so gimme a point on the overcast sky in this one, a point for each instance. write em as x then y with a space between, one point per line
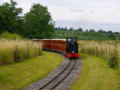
88 14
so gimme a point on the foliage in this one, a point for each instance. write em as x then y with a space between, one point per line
113 60
7 35
86 35
4 55
38 23
10 19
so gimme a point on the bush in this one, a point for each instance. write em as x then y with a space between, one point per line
7 35
113 60
4 57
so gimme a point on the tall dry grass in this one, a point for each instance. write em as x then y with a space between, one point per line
18 50
109 50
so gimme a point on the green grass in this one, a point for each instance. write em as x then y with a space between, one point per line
19 75
96 75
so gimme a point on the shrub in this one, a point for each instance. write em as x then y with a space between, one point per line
4 57
113 60
7 35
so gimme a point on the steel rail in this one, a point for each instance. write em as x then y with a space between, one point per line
64 77
55 76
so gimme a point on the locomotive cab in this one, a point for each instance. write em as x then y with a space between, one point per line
72 47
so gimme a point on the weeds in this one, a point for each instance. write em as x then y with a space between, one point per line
113 60
18 50
105 49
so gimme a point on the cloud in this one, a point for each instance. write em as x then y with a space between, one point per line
97 11
92 11
76 10
2 1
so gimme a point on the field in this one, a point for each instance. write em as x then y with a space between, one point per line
18 50
108 50
19 75
96 75
101 65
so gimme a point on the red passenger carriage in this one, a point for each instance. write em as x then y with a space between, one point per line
69 46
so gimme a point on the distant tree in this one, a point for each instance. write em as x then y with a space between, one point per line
62 28
91 30
56 28
66 28
110 32
86 30
112 37
117 33
80 29
71 29
101 31
38 22
10 19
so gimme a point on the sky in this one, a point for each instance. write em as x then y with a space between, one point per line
87 14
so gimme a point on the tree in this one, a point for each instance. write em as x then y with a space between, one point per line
112 37
117 33
110 32
101 31
91 30
86 30
66 28
80 29
10 19
71 28
38 23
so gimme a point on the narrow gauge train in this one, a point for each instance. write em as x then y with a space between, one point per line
68 47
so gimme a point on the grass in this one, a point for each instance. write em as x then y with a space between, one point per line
96 75
103 49
17 50
16 76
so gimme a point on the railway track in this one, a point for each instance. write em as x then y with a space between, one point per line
60 79
52 84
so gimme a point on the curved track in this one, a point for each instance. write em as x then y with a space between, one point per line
59 79
52 84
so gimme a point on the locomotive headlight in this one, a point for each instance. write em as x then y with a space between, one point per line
73 51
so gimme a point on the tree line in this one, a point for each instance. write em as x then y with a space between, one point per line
91 34
37 23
